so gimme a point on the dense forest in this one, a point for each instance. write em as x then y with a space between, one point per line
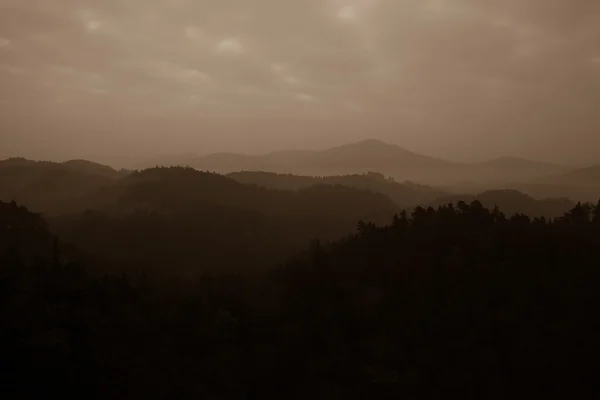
198 222
458 300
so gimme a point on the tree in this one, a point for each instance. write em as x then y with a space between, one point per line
596 213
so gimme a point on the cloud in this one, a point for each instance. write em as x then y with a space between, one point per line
230 45
304 97
471 67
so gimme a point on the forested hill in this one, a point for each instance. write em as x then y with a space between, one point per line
54 188
404 194
196 221
177 188
459 301
512 202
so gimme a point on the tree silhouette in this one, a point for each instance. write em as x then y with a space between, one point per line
447 301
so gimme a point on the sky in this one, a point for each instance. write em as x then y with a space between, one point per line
114 80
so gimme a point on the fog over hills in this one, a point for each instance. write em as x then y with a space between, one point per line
589 176
301 199
370 155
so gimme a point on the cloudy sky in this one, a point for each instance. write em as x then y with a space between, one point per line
463 79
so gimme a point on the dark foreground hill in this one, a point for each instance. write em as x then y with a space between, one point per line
450 302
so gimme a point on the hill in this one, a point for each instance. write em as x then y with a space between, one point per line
404 194
578 185
512 202
24 236
53 187
351 159
82 166
198 221
92 168
581 177
507 169
372 155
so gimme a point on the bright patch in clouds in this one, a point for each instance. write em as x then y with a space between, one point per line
284 75
230 46
93 25
348 13
351 10
304 97
194 33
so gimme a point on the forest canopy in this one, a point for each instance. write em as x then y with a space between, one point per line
455 300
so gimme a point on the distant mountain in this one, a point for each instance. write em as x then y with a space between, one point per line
519 163
585 176
507 169
404 194
355 158
513 202
578 185
372 155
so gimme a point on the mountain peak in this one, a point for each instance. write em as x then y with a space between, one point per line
370 145
373 142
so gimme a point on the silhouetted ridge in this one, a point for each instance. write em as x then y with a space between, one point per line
404 194
513 202
53 187
92 168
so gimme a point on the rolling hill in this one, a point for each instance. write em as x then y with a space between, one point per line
372 155
584 176
195 221
404 194
512 202
53 187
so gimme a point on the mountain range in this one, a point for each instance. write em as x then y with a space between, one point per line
370 155
178 215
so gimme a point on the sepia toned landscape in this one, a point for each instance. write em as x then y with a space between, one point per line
320 199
